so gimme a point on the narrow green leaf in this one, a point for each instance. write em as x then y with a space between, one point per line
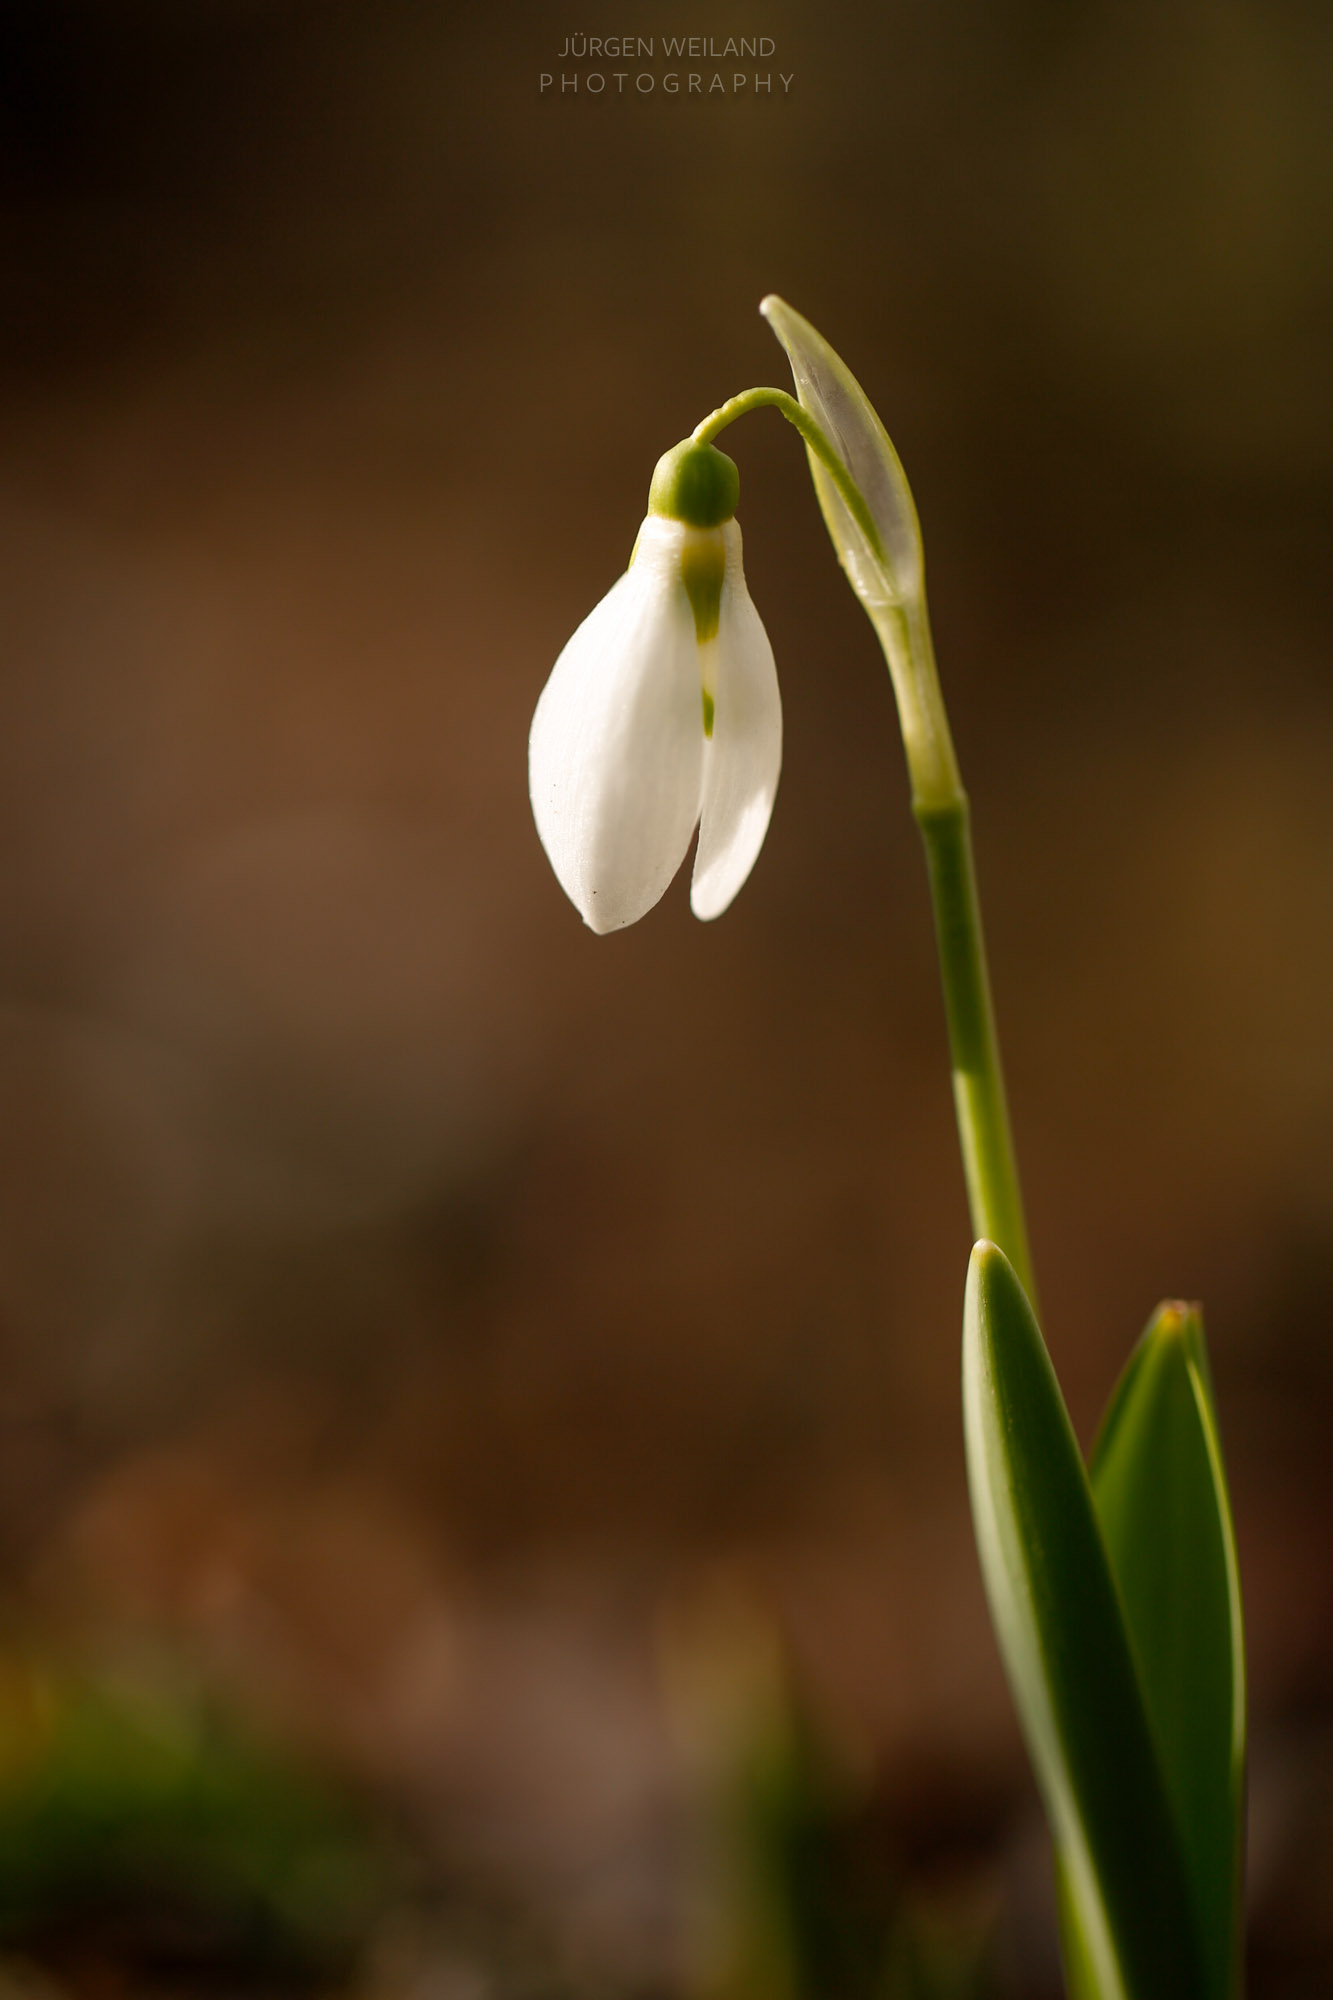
1062 1635
1161 1498
891 574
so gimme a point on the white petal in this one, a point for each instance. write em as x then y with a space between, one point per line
616 751
743 757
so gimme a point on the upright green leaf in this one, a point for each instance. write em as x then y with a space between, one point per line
1161 1498
1062 1634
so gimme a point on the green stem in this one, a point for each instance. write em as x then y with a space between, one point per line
939 804
940 808
989 1165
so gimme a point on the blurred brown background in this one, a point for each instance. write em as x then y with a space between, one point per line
409 1305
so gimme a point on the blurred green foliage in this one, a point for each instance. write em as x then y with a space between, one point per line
145 1825
820 1904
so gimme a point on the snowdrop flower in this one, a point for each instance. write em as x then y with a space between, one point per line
662 714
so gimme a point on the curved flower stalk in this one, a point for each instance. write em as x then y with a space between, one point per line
662 714
1114 1588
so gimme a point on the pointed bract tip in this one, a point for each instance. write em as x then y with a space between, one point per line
775 310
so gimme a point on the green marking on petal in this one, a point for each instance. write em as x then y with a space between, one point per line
703 564
708 713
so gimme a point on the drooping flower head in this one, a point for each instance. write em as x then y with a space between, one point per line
662 713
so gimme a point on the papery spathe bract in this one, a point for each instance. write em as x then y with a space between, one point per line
661 714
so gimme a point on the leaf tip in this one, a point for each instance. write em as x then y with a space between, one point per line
988 1267
995 1307
1178 1324
1172 1318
